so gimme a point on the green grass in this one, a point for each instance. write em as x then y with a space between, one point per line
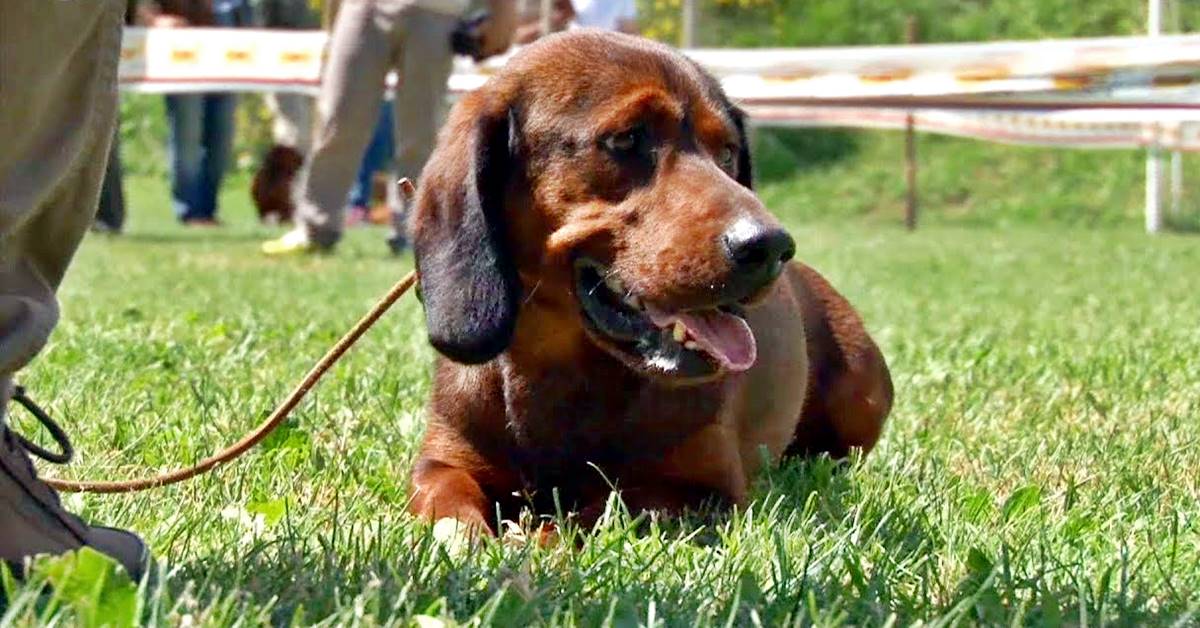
822 174
1041 465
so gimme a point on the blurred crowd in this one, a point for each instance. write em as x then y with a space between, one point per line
335 158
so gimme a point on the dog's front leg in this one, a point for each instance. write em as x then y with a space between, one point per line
450 481
443 491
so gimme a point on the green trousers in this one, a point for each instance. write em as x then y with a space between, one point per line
58 98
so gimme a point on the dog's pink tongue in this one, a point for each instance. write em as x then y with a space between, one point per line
724 336
727 337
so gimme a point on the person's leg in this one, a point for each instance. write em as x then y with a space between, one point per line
351 88
110 216
292 114
425 65
379 154
62 58
216 122
291 120
185 114
218 145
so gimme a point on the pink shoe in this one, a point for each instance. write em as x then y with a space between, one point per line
357 215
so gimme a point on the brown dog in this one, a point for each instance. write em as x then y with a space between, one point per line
271 188
611 301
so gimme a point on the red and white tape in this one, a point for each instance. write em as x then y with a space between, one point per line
1110 92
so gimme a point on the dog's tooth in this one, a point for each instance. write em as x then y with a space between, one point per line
680 331
691 345
633 302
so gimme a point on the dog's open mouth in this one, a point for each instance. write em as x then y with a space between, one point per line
697 343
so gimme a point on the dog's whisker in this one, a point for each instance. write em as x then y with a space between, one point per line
529 296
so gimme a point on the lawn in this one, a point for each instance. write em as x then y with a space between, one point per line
1041 466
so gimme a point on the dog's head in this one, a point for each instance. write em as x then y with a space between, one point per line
598 188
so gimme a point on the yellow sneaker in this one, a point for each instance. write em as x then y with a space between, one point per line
294 242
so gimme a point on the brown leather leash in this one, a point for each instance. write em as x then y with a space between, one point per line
281 412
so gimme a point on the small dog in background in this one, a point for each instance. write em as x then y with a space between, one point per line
272 185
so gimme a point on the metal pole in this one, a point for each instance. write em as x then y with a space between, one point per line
687 29
1154 153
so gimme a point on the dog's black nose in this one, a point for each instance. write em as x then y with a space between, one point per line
757 252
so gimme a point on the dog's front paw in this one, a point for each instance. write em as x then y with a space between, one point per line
456 536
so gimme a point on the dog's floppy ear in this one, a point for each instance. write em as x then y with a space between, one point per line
469 281
745 172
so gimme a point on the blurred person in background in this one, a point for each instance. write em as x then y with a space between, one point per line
110 215
292 120
378 158
561 14
613 15
292 116
292 113
201 125
369 38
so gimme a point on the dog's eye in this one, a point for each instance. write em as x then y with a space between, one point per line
623 142
727 158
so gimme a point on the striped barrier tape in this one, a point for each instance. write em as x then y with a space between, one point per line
1074 129
1109 92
